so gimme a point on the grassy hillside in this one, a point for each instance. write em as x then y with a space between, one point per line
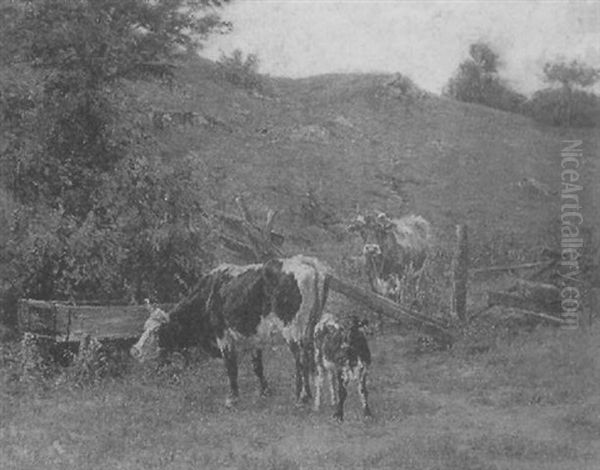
353 141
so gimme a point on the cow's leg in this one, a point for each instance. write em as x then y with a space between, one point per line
362 391
295 348
319 379
332 386
257 365
342 394
231 366
306 369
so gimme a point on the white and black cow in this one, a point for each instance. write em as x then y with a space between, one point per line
240 307
393 249
342 353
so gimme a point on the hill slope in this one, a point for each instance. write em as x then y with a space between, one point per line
355 142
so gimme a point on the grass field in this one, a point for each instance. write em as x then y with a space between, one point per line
531 402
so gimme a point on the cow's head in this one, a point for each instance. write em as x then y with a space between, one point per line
375 231
148 347
392 248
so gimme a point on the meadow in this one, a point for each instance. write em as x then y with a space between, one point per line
320 151
529 402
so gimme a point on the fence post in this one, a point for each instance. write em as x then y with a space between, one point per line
460 270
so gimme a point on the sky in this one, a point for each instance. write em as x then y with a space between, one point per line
425 40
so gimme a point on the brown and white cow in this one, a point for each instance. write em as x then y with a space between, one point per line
234 308
341 353
394 249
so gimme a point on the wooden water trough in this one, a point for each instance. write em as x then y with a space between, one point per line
64 322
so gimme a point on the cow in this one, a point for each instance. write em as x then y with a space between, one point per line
394 249
342 353
234 308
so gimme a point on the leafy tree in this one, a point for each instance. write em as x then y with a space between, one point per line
477 81
99 214
572 77
80 51
484 57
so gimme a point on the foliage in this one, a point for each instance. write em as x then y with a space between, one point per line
477 81
148 242
82 51
568 105
571 74
241 72
404 88
557 107
98 214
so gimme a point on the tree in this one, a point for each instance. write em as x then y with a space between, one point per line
80 51
477 81
570 76
485 58
101 215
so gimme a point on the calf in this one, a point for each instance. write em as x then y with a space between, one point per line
343 353
241 307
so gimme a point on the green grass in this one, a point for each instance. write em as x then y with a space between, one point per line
438 411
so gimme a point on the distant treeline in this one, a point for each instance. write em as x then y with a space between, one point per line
566 102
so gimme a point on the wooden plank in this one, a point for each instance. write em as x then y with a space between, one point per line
388 308
460 272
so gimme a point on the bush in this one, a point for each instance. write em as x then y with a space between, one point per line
241 72
552 106
477 81
474 86
145 239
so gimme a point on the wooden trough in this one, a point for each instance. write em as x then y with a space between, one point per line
71 323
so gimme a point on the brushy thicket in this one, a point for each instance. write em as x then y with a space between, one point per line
91 207
477 80
556 107
241 71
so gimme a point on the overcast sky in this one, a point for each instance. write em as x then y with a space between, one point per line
425 40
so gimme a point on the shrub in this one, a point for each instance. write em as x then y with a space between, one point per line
552 106
477 81
241 72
